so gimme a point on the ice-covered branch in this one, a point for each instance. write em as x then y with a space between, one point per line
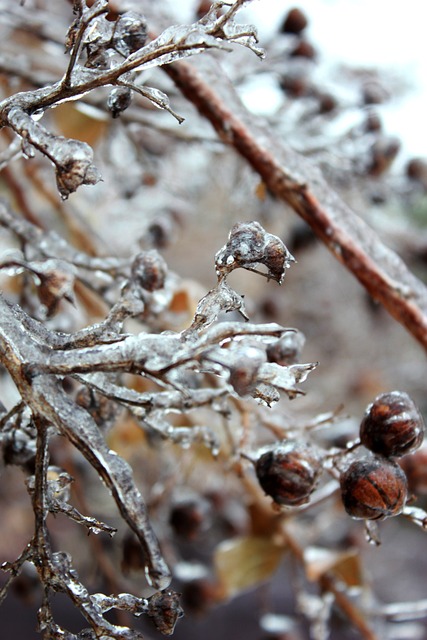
296 181
104 53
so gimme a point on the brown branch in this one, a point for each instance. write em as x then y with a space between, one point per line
296 181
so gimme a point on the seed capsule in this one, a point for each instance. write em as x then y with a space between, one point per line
392 425
295 22
373 488
415 468
289 472
149 270
190 517
287 349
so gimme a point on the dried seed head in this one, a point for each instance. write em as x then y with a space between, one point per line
392 425
56 283
250 245
327 102
373 488
286 350
149 270
289 472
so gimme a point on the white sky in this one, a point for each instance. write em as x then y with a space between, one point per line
388 34
374 33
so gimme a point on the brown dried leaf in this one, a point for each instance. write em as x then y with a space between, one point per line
245 562
345 565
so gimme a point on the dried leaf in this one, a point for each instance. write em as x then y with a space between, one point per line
345 565
245 562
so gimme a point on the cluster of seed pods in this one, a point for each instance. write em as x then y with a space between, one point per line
373 486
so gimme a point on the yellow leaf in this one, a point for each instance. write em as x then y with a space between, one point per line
243 563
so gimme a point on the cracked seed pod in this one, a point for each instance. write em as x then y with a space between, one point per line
249 245
373 488
289 472
392 425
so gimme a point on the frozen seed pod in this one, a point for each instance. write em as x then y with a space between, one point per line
289 472
287 349
130 33
392 425
149 270
119 100
415 468
190 517
295 22
373 488
248 246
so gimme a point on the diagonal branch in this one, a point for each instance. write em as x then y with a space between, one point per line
294 180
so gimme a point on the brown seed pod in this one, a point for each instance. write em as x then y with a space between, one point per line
249 245
289 472
415 468
294 22
383 152
392 425
373 488
190 517
149 270
303 50
164 609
